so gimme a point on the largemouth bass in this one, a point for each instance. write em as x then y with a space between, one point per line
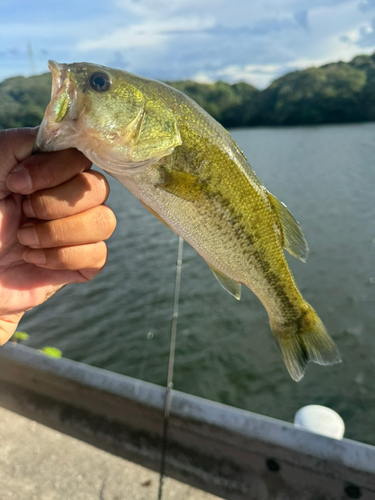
187 170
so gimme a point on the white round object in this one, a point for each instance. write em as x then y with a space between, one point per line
321 420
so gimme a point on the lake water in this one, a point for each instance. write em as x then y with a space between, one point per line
225 350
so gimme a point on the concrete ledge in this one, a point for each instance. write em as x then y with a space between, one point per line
231 453
40 463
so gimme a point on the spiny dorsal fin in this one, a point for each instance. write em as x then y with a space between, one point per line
228 284
294 240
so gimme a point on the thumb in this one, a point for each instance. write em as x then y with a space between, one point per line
15 145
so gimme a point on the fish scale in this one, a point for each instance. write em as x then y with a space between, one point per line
187 170
248 243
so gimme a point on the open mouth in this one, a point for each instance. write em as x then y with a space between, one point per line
61 112
63 95
59 73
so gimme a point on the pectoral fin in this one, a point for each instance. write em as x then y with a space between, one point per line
294 240
228 284
184 185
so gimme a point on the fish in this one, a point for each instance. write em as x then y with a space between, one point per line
187 170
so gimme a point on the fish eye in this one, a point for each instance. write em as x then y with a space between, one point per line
100 82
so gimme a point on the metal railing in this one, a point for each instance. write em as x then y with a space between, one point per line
232 453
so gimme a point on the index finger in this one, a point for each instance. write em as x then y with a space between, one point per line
47 170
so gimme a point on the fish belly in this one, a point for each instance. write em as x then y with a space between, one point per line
255 260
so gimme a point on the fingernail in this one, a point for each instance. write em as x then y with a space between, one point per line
19 181
35 257
28 208
27 236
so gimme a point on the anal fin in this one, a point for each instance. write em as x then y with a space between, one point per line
228 284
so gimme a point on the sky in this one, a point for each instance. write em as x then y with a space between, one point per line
205 40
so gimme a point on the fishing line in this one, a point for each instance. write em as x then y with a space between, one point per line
172 347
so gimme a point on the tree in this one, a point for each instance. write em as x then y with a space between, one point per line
24 100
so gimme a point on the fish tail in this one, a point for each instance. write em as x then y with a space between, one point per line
304 340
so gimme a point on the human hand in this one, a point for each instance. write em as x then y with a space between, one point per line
53 224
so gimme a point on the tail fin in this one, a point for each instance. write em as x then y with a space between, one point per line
303 341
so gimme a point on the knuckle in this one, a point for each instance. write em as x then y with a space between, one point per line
99 259
40 166
97 255
90 257
98 184
61 257
102 255
40 204
52 168
99 177
80 159
51 234
110 221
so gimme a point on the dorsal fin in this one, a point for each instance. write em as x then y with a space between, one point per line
228 284
294 240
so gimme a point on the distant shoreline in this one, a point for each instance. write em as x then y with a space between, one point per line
330 94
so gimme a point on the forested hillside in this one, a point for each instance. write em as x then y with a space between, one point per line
333 93
23 100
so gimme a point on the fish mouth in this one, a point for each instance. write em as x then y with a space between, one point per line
61 113
59 74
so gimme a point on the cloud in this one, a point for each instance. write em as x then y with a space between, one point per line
366 36
256 74
255 40
147 34
367 5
